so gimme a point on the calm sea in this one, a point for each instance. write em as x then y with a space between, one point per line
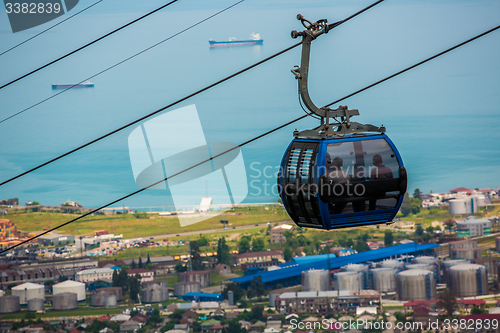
443 116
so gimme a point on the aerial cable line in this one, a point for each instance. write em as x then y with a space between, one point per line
88 44
38 34
176 102
251 140
121 62
193 166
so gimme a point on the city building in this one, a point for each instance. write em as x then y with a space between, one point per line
473 226
323 302
277 233
261 256
56 240
466 304
38 275
94 274
146 274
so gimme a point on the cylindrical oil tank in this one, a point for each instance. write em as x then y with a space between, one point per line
69 286
97 298
161 283
315 280
384 279
416 284
154 294
348 281
9 304
364 270
457 207
467 280
203 277
27 291
110 301
462 244
230 298
396 264
470 253
36 304
427 260
449 263
182 288
117 291
425 267
65 301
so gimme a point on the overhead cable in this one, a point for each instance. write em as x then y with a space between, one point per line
121 62
55 25
175 103
88 44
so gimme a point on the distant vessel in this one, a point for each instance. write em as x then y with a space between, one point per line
86 84
234 42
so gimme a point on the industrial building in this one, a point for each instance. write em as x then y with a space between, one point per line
289 274
262 256
94 274
202 277
14 276
145 274
322 302
203 297
473 226
56 240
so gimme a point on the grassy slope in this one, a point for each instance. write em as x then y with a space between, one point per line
130 226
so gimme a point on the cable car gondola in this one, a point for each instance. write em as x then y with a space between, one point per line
340 174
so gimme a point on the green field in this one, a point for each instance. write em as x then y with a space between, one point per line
130 226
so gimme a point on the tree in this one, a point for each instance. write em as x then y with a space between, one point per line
288 234
134 286
258 244
450 225
477 310
388 238
417 194
149 260
140 262
258 286
179 267
244 245
35 203
447 301
202 241
133 265
287 254
361 246
236 289
196 261
410 205
223 254
419 231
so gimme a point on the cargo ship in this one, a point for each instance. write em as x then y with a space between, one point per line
234 42
86 84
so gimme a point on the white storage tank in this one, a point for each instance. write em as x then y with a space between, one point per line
470 253
182 288
391 263
457 207
348 281
384 279
154 294
315 280
27 291
364 270
416 284
468 280
70 287
449 263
